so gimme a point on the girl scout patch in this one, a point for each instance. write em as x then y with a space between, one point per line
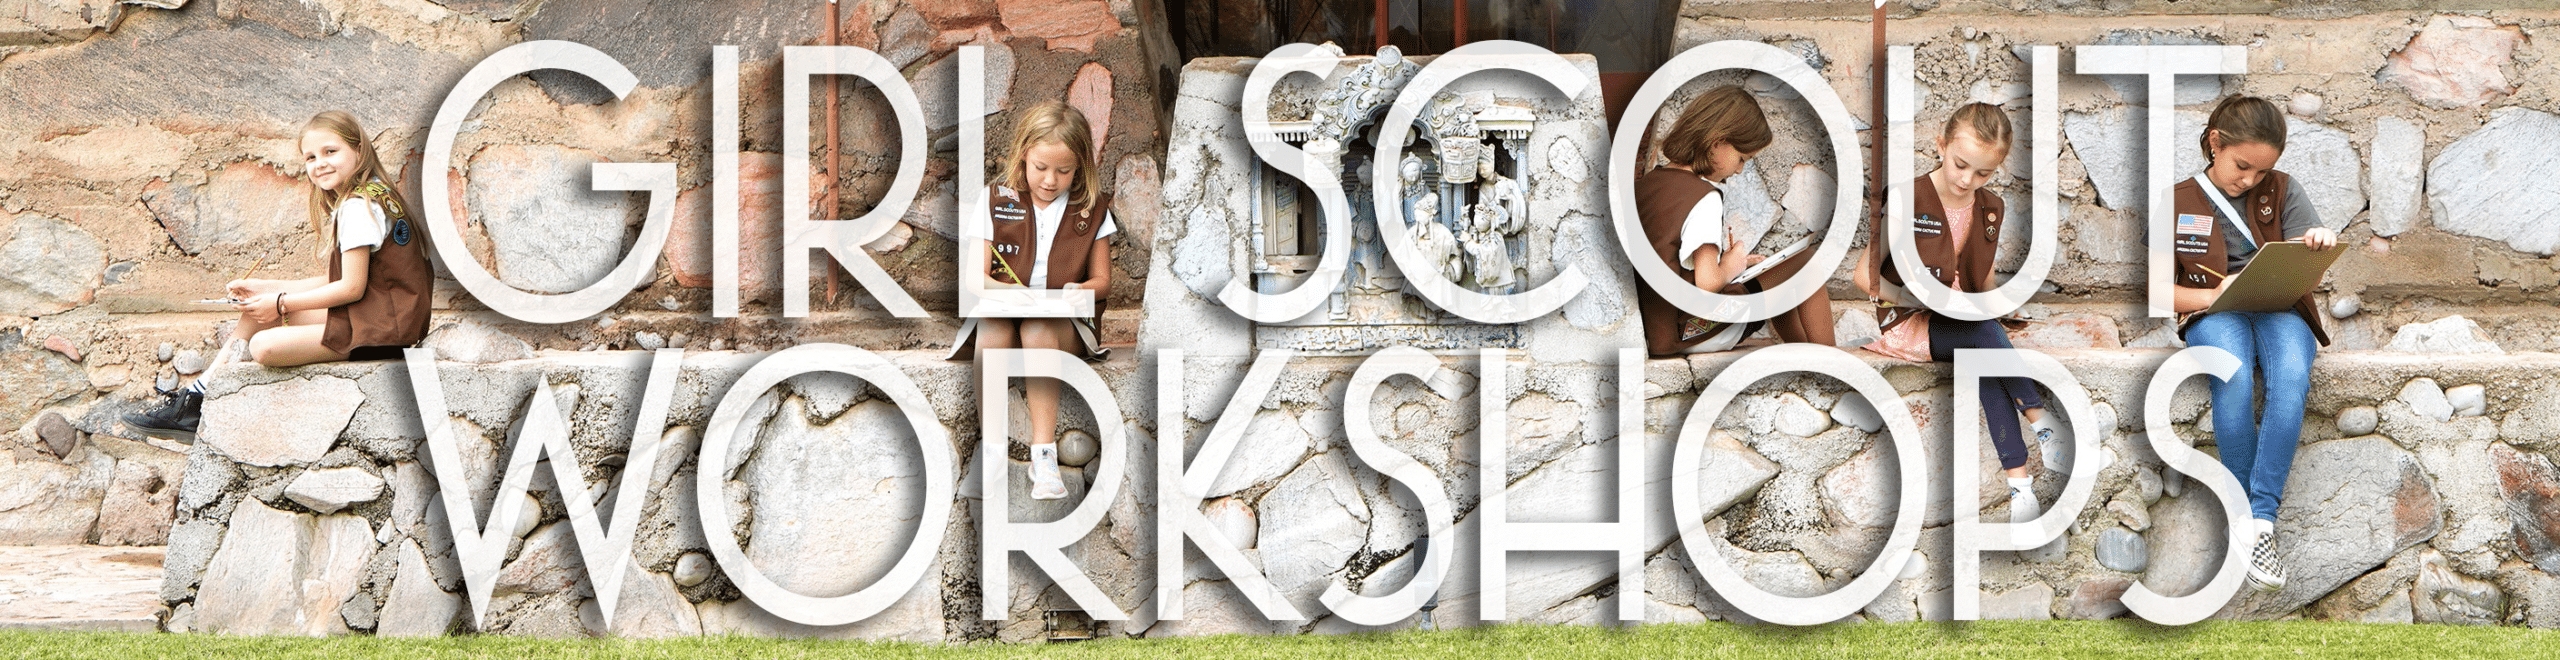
2195 225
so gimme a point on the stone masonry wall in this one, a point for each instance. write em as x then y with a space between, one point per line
2421 494
147 157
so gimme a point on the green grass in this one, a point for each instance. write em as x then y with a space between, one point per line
2018 640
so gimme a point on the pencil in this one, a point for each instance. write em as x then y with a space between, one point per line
253 267
1006 268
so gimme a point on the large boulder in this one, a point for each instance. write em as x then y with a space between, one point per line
2490 184
2532 489
2349 506
836 505
2456 62
290 422
48 266
282 573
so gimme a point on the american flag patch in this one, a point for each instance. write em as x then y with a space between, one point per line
2196 225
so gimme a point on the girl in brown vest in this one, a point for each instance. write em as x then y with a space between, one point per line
1956 226
1044 229
1683 215
373 299
2244 138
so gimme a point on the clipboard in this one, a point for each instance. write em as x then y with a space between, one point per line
1783 254
2275 278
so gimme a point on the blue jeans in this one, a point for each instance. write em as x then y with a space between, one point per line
2275 351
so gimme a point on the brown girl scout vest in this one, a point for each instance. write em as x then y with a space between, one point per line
1016 237
1965 268
2202 256
393 312
1663 200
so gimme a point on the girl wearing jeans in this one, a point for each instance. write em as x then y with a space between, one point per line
1956 229
2243 139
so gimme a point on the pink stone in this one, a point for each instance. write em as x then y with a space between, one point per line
2455 61
955 12
759 228
1067 24
2101 598
1091 94
2070 331
1138 193
63 346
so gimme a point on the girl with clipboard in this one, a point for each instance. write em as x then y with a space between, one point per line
2224 215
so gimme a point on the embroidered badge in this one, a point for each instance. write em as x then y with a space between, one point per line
400 231
1006 192
2195 225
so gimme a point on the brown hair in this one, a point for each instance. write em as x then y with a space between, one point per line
1985 120
343 125
2243 120
1055 121
1725 114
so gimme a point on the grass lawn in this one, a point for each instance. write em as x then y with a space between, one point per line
2021 640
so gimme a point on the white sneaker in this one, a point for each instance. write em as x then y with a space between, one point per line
2264 570
1045 484
2022 510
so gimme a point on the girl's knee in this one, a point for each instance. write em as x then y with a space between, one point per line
998 333
262 350
1044 333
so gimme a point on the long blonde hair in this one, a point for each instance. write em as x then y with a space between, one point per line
323 201
1055 121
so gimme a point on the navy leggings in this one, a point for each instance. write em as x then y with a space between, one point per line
2012 394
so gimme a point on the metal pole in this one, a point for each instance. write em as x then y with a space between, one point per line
1458 32
1382 27
1875 91
835 100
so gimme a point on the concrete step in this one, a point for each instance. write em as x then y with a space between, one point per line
80 588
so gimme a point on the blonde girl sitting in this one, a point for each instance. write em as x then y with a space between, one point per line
1044 229
371 300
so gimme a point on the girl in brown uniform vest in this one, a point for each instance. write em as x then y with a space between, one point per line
1044 229
1956 225
1683 215
373 300
2244 138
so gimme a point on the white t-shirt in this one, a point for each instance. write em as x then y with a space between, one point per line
1704 227
1045 223
361 223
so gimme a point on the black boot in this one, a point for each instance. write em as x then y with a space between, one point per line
175 419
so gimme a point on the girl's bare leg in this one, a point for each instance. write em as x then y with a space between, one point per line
1809 322
291 346
1043 392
